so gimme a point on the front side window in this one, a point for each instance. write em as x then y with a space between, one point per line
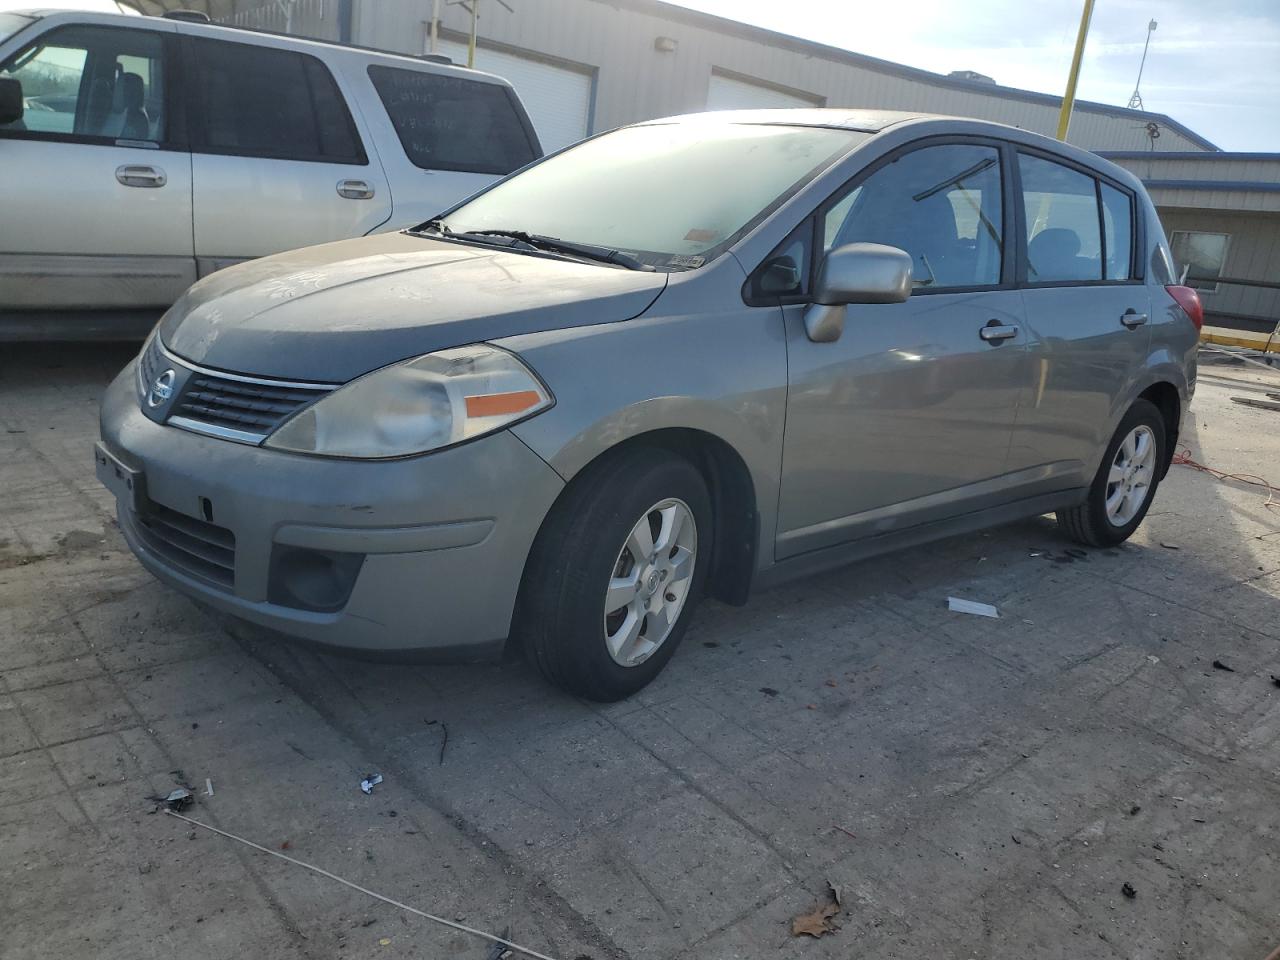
674 195
1064 242
1202 255
452 123
91 82
940 204
255 101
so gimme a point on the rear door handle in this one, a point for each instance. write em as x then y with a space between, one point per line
995 332
355 190
1132 318
141 175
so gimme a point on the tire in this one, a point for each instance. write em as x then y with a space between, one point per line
1092 523
587 549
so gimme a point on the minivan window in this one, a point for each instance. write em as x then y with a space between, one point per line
255 101
452 123
675 195
91 82
1117 220
941 204
1060 204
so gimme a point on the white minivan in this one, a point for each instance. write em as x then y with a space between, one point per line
140 154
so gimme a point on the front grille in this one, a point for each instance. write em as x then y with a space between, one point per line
251 407
199 549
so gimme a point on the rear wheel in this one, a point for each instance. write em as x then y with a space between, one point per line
615 574
1125 483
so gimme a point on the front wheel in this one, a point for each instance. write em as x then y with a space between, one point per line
1125 483
615 574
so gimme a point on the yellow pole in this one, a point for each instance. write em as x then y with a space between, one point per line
471 41
1069 100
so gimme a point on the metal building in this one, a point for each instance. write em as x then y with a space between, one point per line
584 66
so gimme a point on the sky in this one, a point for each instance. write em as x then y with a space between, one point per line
1214 65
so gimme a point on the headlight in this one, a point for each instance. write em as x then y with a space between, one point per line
418 405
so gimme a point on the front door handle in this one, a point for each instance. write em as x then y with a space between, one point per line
355 190
997 332
1131 318
141 175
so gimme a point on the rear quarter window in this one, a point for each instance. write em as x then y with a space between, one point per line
453 123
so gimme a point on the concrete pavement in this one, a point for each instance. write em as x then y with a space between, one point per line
974 787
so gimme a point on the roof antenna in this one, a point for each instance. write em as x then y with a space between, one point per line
1135 102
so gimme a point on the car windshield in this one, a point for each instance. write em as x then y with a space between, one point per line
671 195
11 23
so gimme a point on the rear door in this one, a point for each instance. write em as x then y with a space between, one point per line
96 209
1087 310
907 417
277 159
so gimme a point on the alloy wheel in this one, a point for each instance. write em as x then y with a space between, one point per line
650 582
1129 480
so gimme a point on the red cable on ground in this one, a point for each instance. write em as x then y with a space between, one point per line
1183 458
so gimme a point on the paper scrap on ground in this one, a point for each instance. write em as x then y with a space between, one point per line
956 605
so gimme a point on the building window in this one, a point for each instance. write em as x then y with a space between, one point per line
1202 255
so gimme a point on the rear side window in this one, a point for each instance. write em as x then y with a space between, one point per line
452 123
1064 241
1117 222
254 101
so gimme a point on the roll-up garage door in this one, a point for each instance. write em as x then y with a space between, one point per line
558 98
731 93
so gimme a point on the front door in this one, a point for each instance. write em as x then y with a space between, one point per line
908 416
97 177
278 161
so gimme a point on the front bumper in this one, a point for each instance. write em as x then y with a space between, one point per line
443 537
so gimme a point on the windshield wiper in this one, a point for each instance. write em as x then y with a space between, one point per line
539 242
588 250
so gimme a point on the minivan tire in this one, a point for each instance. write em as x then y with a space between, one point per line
561 618
1089 523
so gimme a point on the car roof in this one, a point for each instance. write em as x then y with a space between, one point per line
867 121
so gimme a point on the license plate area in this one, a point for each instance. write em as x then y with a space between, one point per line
126 484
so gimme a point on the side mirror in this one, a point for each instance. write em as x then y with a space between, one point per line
10 100
855 273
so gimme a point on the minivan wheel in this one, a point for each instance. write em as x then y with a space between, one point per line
615 574
1122 490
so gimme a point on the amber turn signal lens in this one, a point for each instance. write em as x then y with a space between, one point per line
501 404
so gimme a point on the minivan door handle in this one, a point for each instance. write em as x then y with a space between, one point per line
141 175
355 190
1131 318
997 332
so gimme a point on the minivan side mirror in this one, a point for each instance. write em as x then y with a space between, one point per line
10 100
855 273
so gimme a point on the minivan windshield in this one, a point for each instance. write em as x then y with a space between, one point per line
671 195
11 23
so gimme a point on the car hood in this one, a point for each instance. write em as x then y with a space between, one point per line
332 312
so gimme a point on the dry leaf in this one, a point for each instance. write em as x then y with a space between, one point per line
820 920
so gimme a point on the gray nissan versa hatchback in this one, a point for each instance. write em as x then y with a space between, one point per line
686 357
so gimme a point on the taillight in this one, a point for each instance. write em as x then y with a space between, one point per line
1190 303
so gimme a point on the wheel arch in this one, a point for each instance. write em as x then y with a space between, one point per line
736 538
1168 400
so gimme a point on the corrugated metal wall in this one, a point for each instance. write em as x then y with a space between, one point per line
1253 254
638 82
317 19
